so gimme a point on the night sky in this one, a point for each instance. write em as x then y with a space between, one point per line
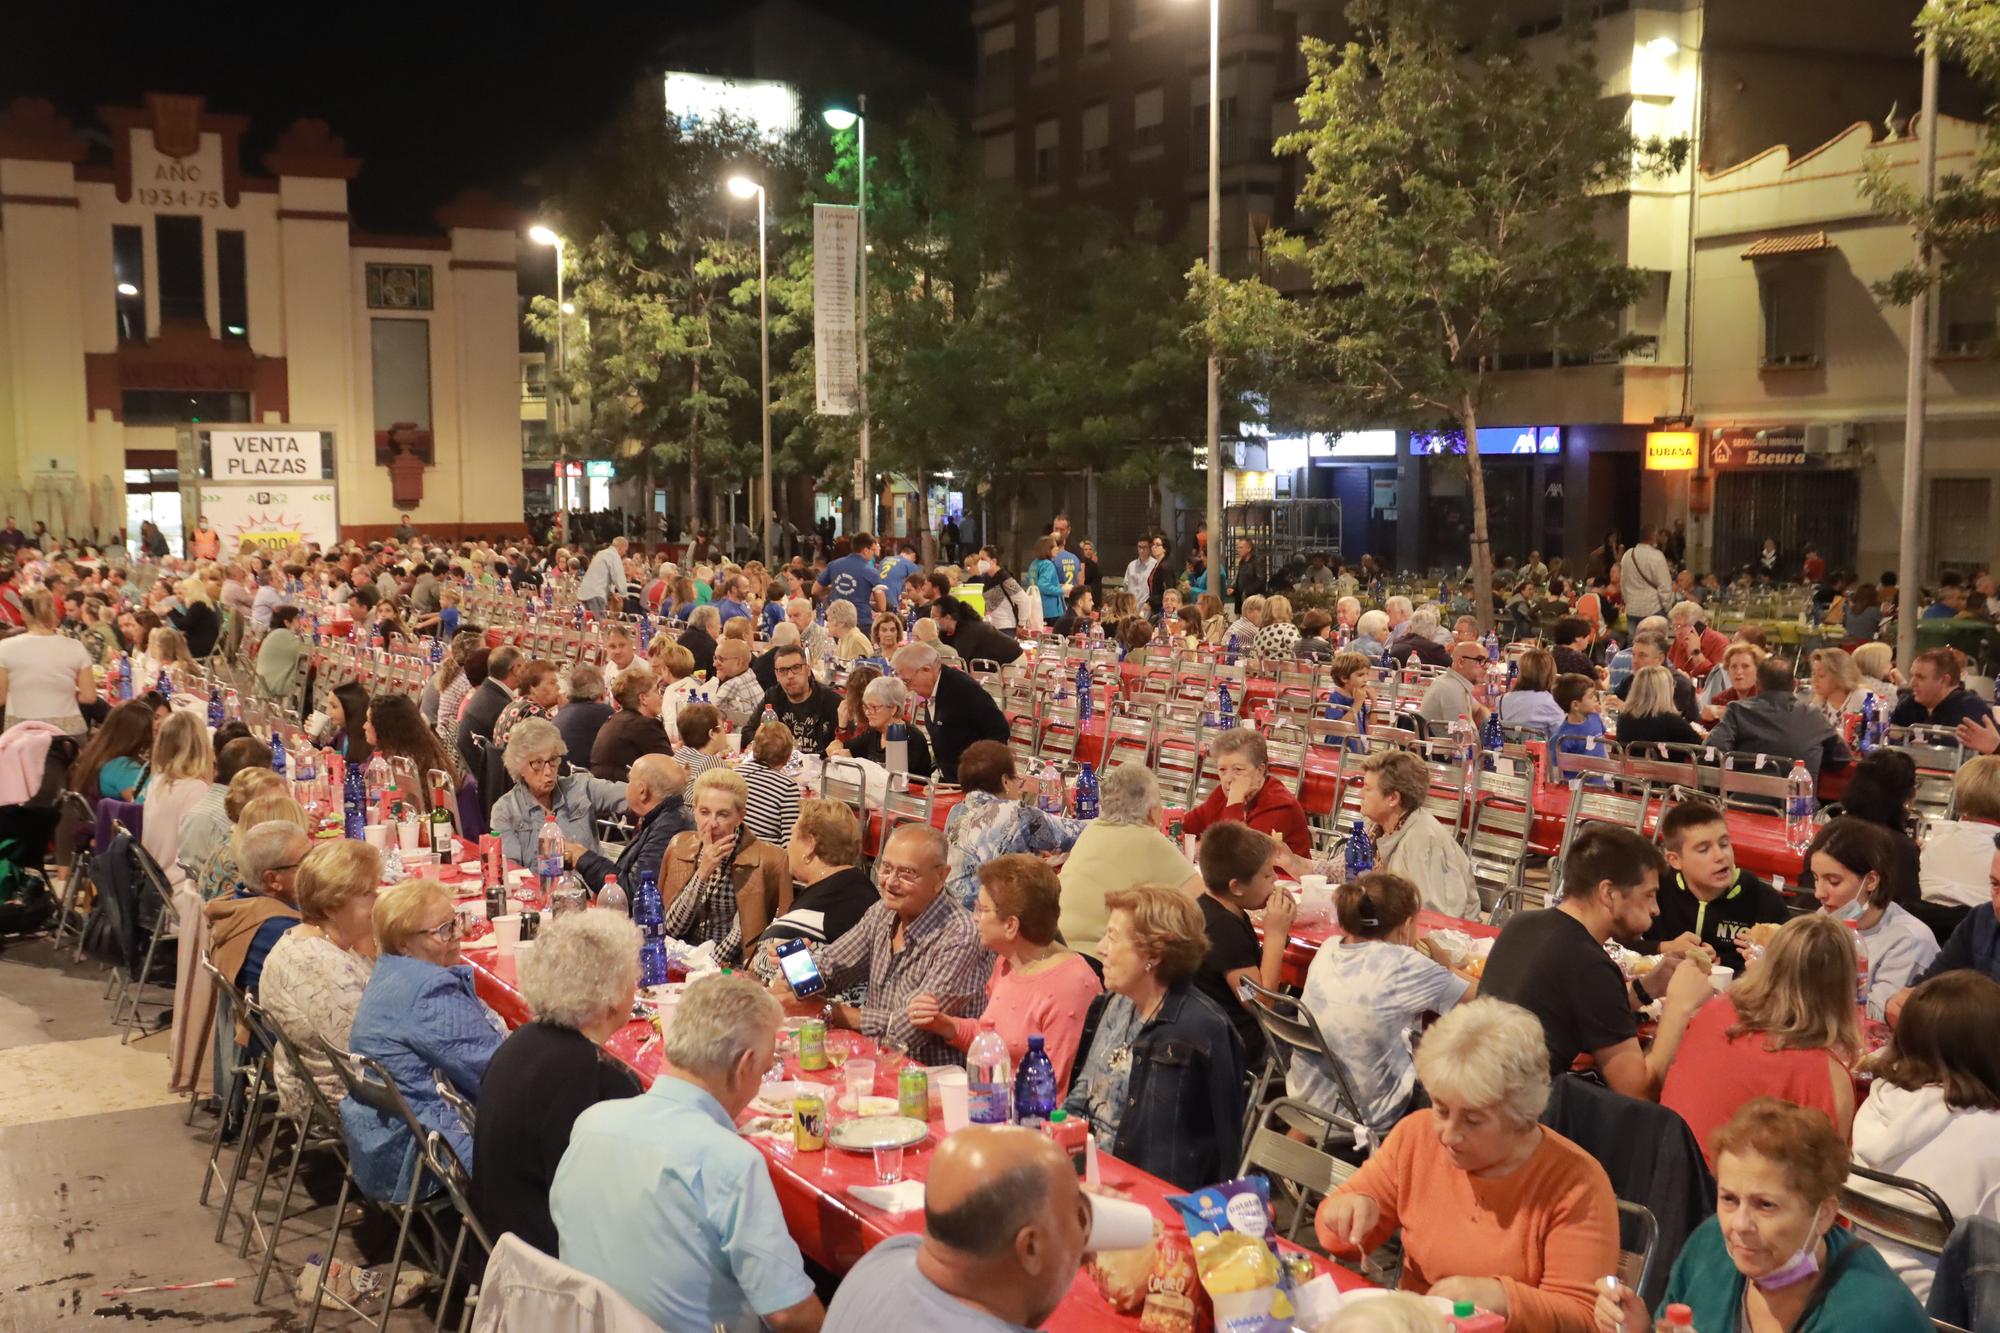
433 97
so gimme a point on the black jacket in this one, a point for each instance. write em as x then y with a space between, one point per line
701 644
482 710
975 639
1669 727
961 712
648 847
1250 581
871 744
1744 904
1961 705
622 741
579 721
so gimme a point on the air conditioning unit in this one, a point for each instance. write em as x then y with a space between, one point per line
1829 439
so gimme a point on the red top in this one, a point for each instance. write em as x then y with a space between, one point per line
1271 809
1712 1075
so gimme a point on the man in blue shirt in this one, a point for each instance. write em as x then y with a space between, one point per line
734 594
1069 567
895 571
855 579
660 1198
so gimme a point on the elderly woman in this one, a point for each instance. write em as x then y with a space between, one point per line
993 820
638 728
1739 668
833 891
1247 793
579 982
1278 636
1786 1028
886 703
183 768
1958 854
1371 635
1408 838
704 739
537 692
585 714
1877 664
1855 880
774 794
1476 1183
1771 1257
1123 846
316 972
46 676
843 628
1161 1085
243 806
1037 986
721 883
1837 690
576 801
420 1017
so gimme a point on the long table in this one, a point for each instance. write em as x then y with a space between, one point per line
831 1227
1307 938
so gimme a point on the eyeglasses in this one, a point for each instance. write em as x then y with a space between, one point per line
906 874
547 765
447 930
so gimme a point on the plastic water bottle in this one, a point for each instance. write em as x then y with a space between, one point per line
645 631
277 754
613 897
375 782
1086 794
1225 707
1083 700
1464 741
1799 800
1676 1318
1360 851
1864 735
165 683
214 706
989 1078
770 714
1052 788
437 651
1492 646
1034 1086
124 678
1490 740
896 748
580 614
548 855
649 914
1861 976
353 804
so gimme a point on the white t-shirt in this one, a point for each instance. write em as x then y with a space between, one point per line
41 675
1958 859
1366 997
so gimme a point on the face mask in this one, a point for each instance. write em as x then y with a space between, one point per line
1854 910
1800 1267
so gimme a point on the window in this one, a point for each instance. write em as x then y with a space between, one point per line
1048 142
534 380
128 273
1096 26
998 153
166 407
1096 139
1967 324
1790 294
399 286
1960 516
1048 38
1149 118
1198 126
177 244
232 290
401 359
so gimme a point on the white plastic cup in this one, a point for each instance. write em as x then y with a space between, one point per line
1720 977
408 832
954 1102
1118 1224
1313 884
860 1079
507 931
376 835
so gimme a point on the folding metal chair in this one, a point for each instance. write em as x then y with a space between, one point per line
468 1115
444 1163
250 1085
166 926
315 1128
1291 1031
1300 1170
1128 734
1500 829
73 849
1635 1261
1921 1220
846 781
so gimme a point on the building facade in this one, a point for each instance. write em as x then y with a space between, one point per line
171 286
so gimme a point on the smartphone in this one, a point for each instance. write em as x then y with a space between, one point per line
801 972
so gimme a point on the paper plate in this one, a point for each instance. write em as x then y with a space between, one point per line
877 1131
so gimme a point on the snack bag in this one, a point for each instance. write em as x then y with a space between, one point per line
1229 1226
1124 1276
1173 1301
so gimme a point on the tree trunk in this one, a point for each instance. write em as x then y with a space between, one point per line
920 519
694 456
1482 547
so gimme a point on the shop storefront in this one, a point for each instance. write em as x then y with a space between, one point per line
1768 483
1526 492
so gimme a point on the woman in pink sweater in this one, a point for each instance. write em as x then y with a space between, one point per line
1037 985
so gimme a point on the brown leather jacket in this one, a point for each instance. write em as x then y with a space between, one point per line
762 875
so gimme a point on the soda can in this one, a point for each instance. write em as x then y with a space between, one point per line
913 1092
812 1044
531 925
496 901
809 1122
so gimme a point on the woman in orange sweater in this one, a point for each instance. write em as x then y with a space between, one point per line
1494 1208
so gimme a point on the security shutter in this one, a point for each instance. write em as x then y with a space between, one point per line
1957 524
1821 508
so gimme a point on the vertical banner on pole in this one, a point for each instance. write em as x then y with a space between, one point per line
836 235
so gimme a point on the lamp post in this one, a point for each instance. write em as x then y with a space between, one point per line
744 188
1214 505
543 234
838 118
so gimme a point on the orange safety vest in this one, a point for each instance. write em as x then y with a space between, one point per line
207 545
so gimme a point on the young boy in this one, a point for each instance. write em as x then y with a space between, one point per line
1707 903
1583 731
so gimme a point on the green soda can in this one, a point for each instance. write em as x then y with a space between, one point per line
812 1044
913 1092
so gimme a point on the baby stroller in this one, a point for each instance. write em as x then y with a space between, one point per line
27 836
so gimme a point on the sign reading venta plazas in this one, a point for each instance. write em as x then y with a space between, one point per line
267 454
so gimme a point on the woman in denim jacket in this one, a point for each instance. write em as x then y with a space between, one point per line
1162 1084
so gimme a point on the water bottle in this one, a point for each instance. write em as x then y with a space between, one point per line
125 678
570 894
613 897
165 683
1464 741
1225 708
1083 700
645 631
1360 851
1034 1086
353 805
1800 798
375 782
580 613
315 631
437 651
214 706
1861 976
649 914
1086 793
1864 735
896 748
1492 646
277 754
1675 1318
770 714
548 855
1052 788
989 1078
1491 740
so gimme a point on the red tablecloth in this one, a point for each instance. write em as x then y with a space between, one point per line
832 1228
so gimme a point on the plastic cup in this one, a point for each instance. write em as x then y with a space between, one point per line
376 835
954 1101
409 834
1313 884
507 931
1720 977
860 1079
889 1164
1119 1224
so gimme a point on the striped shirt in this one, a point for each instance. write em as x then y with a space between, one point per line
774 802
696 762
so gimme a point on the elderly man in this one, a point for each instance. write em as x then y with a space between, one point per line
1418 638
1649 648
703 626
799 615
1775 721
1005 1230
1936 697
660 1198
270 596
603 582
653 795
737 690
917 941
809 709
485 704
1452 693
243 927
959 710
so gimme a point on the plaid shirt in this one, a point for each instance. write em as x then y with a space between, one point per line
941 954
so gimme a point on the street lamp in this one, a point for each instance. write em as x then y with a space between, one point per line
1214 505
839 119
543 234
745 188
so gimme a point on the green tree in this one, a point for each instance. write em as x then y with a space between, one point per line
1453 187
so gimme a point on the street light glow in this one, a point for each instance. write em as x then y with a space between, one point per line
1662 47
838 118
542 234
744 188
569 307
127 289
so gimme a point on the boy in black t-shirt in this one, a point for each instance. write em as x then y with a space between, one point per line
1707 901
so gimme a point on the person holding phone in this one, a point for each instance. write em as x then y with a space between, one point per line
720 882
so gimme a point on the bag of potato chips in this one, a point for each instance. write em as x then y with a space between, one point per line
1236 1255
